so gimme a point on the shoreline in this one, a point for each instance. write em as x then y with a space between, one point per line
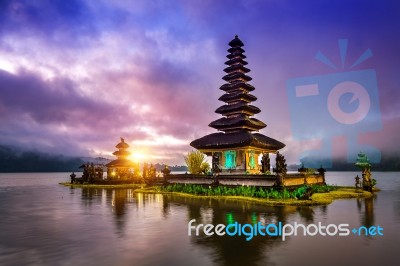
317 199
68 184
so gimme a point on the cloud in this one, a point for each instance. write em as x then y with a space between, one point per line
47 102
30 105
62 22
146 101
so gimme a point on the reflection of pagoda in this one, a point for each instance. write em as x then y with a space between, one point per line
236 148
228 250
121 168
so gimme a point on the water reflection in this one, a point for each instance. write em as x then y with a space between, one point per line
223 249
125 204
114 198
117 200
227 250
366 210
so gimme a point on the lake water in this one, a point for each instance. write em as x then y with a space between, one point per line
44 223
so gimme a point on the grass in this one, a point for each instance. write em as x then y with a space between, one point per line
248 191
343 193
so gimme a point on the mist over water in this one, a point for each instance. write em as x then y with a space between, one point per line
44 223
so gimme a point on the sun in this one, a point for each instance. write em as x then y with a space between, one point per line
138 156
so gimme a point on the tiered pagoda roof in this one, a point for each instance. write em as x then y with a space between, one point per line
237 123
122 153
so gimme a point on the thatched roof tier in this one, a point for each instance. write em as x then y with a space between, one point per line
238 122
236 54
122 144
236 76
121 153
236 42
238 108
236 60
236 68
234 50
221 141
121 163
237 87
238 96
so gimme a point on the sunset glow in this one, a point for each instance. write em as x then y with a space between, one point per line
138 157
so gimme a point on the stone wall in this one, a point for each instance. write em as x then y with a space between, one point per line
301 179
190 179
247 180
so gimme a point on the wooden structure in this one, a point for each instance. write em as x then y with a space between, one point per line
236 148
121 168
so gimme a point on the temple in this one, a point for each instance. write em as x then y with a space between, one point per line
237 147
121 168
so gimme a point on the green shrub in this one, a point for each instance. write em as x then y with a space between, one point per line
247 191
195 161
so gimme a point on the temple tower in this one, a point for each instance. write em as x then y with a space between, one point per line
236 148
121 168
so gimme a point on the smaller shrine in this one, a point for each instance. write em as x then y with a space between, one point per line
367 181
121 168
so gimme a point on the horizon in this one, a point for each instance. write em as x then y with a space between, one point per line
77 76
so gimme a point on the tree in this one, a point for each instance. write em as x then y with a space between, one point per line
362 161
195 161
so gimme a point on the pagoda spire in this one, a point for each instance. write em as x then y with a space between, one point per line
121 168
237 111
122 152
236 145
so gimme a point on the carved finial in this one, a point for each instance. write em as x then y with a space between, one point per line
122 139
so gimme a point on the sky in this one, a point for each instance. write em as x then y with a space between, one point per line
75 76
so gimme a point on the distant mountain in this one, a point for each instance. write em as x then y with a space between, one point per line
14 160
175 168
159 167
97 160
